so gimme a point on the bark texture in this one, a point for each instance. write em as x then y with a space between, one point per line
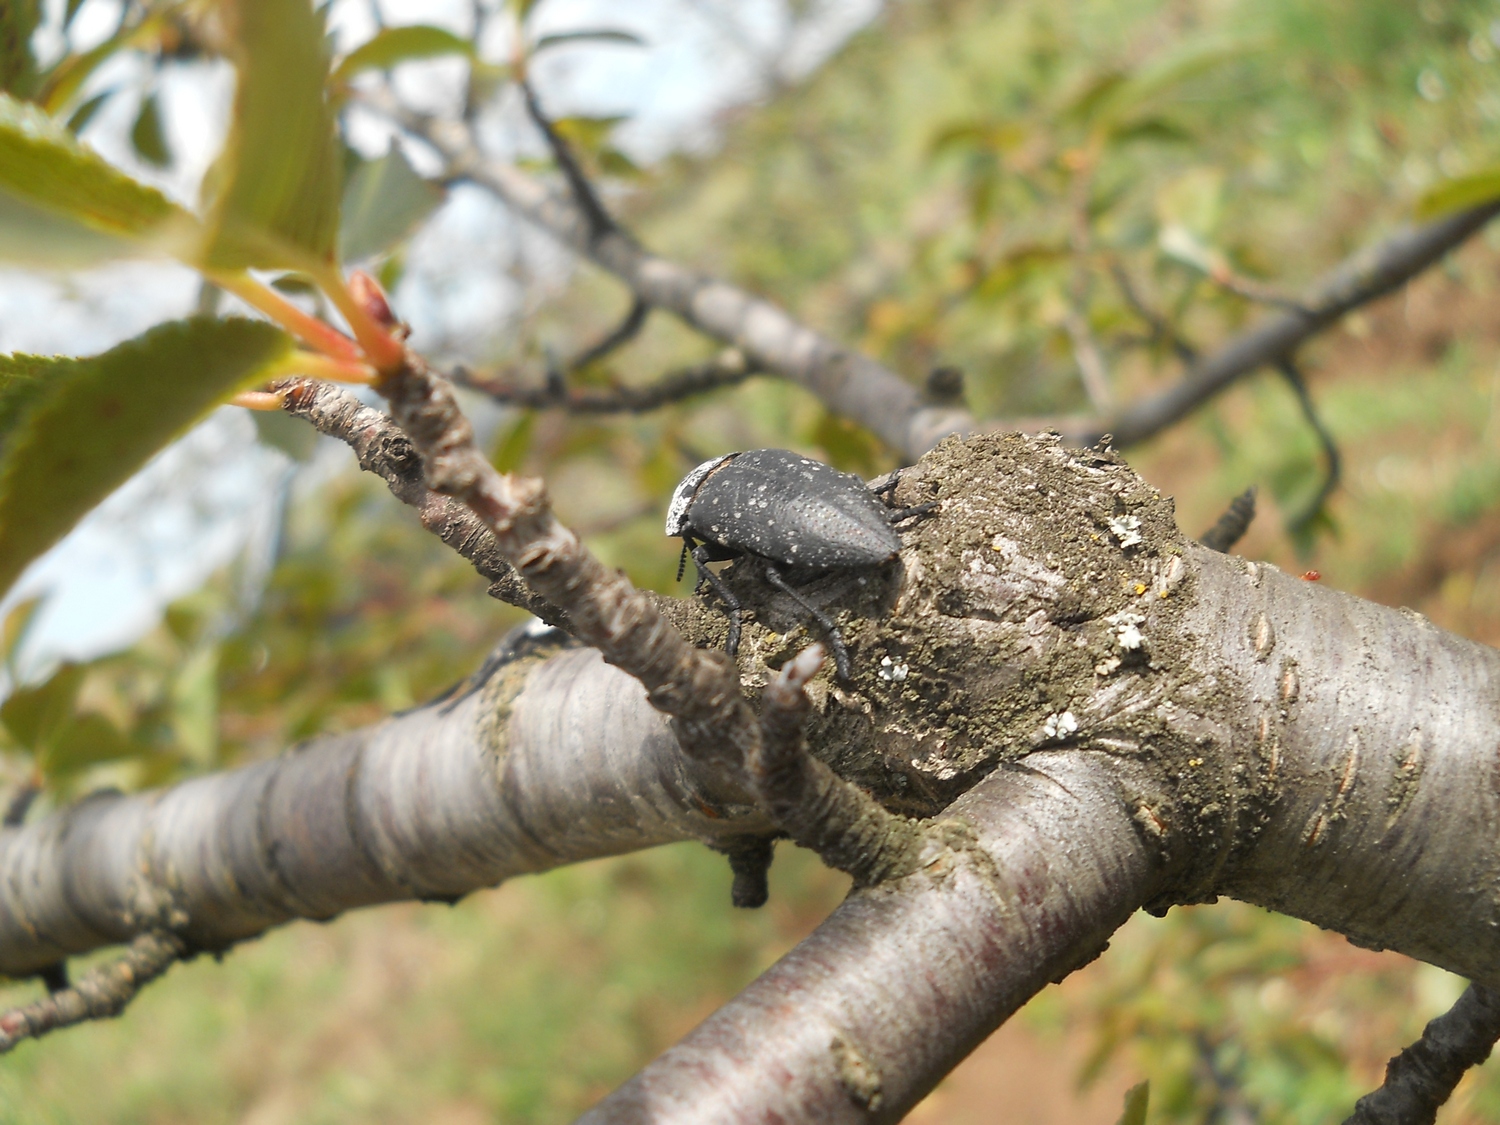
863 1018
1205 726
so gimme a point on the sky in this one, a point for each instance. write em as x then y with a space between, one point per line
215 497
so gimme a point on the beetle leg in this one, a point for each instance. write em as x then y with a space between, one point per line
901 514
885 488
835 638
731 603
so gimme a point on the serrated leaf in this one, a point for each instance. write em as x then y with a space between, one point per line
588 35
1137 1100
18 20
393 45
33 715
383 202
46 171
1457 195
98 419
30 236
273 196
147 136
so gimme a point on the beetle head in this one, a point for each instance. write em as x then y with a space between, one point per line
682 497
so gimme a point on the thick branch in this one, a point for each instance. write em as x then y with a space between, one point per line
864 1017
556 761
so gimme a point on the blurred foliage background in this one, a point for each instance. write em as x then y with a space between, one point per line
994 187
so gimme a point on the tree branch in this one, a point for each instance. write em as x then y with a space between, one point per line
557 759
384 450
848 383
1361 279
102 993
863 1018
1421 1078
727 369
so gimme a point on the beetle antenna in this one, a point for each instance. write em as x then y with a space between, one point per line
682 560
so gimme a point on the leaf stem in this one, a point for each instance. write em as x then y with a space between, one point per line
309 329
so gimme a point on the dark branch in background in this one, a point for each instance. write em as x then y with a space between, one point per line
1230 528
727 369
384 450
1422 1077
1332 460
100 994
587 200
1357 281
849 383
20 804
618 337
1162 329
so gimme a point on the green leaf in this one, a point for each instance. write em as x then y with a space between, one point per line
34 715
292 436
47 175
18 19
89 740
383 202
1457 195
81 116
16 627
147 136
512 448
77 428
585 133
273 194
1162 79
1137 1098
393 45
588 35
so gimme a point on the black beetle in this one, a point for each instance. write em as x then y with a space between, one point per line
784 510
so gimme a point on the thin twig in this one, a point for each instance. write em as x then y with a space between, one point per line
849 383
698 688
384 450
846 826
599 219
727 369
100 994
1333 461
1421 1078
618 337
1162 330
